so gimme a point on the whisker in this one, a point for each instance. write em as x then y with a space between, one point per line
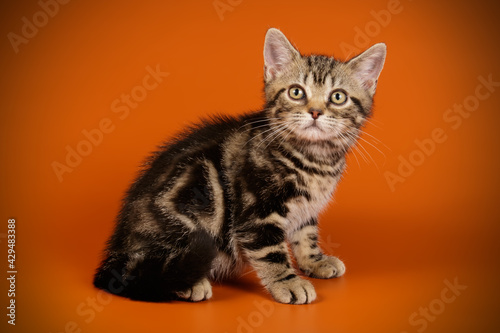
277 135
385 157
260 133
357 161
346 144
272 130
356 147
263 118
258 121
374 138
380 151
373 120
290 132
345 149
372 124
273 134
366 151
252 128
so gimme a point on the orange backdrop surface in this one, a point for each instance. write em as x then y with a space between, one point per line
415 218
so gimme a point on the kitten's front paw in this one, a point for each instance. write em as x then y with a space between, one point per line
326 268
199 292
293 291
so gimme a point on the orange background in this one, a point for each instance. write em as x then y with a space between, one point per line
399 246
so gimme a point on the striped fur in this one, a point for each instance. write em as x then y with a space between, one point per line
235 190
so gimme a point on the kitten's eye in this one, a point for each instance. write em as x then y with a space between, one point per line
296 93
338 97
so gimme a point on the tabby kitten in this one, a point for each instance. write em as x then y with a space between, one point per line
235 190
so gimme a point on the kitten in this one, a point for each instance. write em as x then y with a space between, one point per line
234 190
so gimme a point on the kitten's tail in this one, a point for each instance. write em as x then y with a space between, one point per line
153 278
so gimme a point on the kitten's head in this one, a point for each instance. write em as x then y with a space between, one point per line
317 98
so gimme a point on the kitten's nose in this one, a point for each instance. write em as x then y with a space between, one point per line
315 113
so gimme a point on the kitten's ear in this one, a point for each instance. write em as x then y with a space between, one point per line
368 65
278 54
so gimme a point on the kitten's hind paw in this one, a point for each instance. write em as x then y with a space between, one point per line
201 291
293 291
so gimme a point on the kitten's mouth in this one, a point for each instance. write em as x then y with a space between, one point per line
315 130
314 126
312 131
